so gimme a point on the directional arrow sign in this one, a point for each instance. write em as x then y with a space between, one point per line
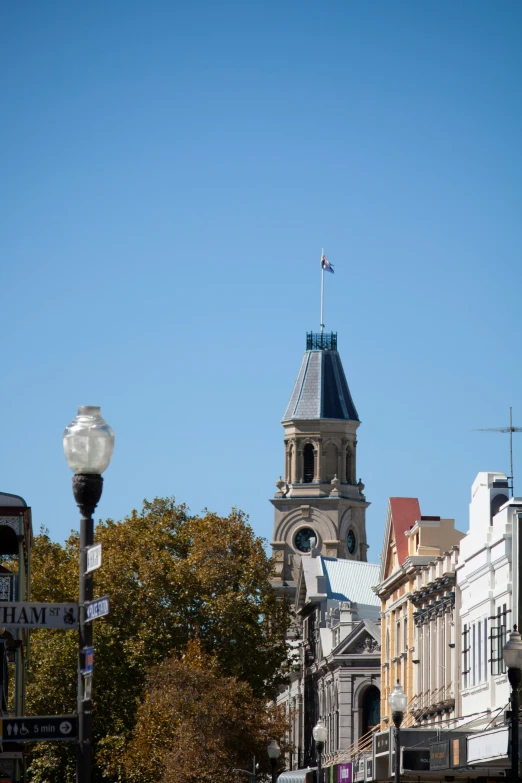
94 557
55 727
24 614
98 608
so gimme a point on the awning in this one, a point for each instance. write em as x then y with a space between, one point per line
297 776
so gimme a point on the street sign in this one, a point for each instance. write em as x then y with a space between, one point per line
88 660
55 727
97 608
23 614
94 557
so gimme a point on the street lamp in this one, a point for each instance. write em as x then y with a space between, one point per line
397 701
274 751
512 653
88 443
320 733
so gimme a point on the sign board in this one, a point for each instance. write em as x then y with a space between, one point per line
439 755
382 743
459 750
88 660
488 746
24 614
97 608
358 772
344 773
55 727
94 557
369 769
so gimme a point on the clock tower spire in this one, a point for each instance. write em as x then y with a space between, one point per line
319 506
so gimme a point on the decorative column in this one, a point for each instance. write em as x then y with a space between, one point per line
318 457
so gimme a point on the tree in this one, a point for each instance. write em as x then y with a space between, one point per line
171 577
196 726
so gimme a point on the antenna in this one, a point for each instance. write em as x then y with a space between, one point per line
511 430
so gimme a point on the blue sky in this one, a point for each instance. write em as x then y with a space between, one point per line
169 175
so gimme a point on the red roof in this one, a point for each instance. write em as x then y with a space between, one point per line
404 513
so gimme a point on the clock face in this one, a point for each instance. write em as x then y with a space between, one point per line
351 542
302 539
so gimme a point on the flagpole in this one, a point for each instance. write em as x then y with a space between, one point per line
322 291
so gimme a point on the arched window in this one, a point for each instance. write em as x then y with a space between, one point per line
497 501
371 709
308 463
349 466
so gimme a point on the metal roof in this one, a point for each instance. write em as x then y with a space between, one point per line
297 775
321 390
351 580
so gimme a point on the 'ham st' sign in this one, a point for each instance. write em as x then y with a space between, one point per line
25 614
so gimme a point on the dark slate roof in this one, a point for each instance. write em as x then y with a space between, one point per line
321 390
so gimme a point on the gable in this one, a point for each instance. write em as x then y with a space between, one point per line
364 639
401 516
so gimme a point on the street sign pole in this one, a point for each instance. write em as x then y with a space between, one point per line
87 491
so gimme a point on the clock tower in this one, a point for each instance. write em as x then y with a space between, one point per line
319 496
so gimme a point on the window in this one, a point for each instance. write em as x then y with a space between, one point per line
479 651
475 653
465 655
498 638
308 463
405 633
485 662
397 636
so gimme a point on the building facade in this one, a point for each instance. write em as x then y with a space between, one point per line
488 605
436 670
336 671
411 542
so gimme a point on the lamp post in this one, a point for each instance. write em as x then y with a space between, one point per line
512 653
88 443
320 733
274 751
397 701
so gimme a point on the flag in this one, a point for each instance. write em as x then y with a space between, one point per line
325 264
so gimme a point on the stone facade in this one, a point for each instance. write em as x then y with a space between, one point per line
336 645
319 494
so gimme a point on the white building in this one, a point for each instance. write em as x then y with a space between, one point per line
487 576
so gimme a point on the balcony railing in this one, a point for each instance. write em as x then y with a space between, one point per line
321 342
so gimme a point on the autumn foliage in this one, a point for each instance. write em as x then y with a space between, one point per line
174 581
196 725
